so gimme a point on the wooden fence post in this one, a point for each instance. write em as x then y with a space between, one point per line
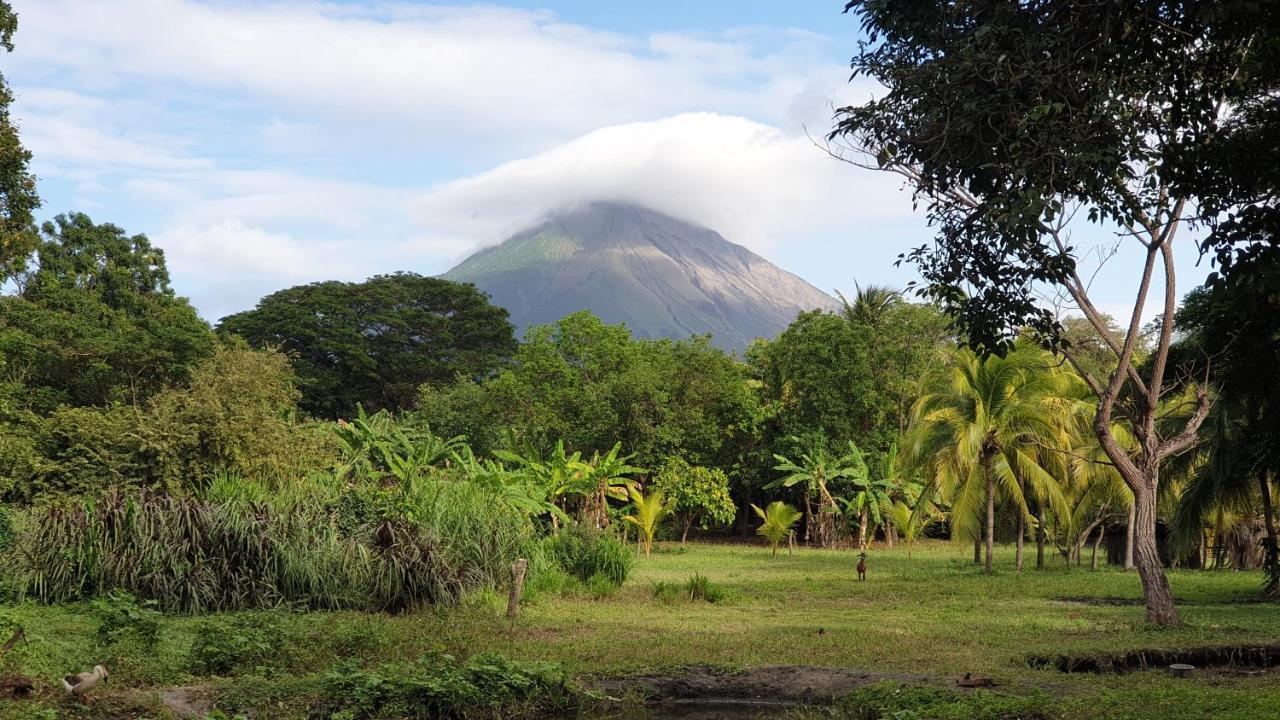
518 569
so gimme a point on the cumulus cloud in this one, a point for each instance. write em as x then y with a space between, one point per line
491 76
265 144
756 184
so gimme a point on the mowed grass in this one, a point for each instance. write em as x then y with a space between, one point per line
932 615
932 612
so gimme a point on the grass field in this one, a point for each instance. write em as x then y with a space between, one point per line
931 615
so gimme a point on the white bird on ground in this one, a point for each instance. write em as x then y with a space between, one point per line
80 683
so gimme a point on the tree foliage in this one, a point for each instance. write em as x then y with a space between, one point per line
701 494
95 320
377 342
18 198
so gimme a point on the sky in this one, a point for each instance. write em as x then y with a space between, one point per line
278 142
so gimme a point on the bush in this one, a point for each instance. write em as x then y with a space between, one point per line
700 587
584 552
665 592
248 642
120 614
697 587
439 687
601 586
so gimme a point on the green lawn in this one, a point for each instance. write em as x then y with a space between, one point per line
933 614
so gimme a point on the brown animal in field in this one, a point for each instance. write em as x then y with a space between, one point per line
862 566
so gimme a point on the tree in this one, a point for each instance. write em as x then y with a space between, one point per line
872 496
983 433
375 343
647 513
95 321
18 198
1231 334
814 472
777 521
605 477
700 494
590 384
1007 119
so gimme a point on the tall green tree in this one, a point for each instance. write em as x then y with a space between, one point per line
591 384
18 198
377 342
1231 334
94 320
1008 120
980 436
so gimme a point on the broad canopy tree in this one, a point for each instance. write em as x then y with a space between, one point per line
18 198
1009 118
377 342
94 320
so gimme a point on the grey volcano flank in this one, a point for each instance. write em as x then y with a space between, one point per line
661 276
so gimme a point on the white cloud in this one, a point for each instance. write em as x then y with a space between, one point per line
757 185
495 77
264 144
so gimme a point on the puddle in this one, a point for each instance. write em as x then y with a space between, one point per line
1217 657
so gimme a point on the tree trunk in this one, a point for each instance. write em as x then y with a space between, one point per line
1022 531
1155 584
862 528
1271 545
684 536
1040 537
891 535
808 517
991 511
1129 536
1093 561
977 549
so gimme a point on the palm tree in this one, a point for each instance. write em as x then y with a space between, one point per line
813 472
985 431
872 497
778 518
647 513
870 304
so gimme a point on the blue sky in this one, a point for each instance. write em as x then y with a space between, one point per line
265 144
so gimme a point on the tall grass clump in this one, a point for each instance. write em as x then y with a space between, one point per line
318 544
585 552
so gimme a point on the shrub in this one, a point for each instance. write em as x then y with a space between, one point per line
700 587
665 592
437 686
249 642
584 551
601 586
700 495
548 580
120 614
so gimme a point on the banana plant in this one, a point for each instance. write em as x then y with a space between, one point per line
519 490
605 478
556 474
813 472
